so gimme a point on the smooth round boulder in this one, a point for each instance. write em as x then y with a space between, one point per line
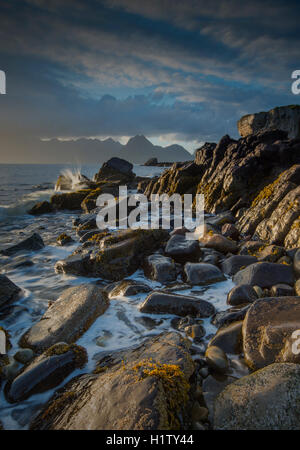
202 273
281 290
268 330
265 275
219 243
241 294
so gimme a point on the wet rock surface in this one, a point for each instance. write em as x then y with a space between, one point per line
148 391
181 305
33 243
67 318
265 274
8 290
46 371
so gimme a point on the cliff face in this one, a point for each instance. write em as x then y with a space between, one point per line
284 118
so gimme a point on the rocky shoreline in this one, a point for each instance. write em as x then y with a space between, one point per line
179 379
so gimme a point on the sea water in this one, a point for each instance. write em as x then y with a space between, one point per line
121 326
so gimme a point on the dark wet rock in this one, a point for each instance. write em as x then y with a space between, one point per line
202 273
41 208
234 263
24 356
116 169
265 400
160 268
67 318
212 385
281 290
33 243
149 388
230 231
181 305
128 288
64 239
216 359
265 275
219 243
229 338
114 257
230 315
210 256
8 290
181 249
46 371
267 331
75 264
69 200
9 370
244 293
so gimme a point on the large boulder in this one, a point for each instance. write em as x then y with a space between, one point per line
182 305
285 118
69 200
8 290
265 400
265 275
218 242
41 208
267 331
241 294
160 268
234 263
181 249
67 318
114 257
33 243
202 273
146 388
115 169
46 371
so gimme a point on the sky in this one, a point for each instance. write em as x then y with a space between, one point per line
176 71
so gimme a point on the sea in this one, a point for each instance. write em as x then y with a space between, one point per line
121 326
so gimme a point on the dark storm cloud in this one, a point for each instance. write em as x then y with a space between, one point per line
161 67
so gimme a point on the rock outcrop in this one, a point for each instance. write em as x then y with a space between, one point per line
285 118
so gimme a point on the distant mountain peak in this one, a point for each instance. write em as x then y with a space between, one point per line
138 139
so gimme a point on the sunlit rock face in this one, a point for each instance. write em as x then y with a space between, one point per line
285 118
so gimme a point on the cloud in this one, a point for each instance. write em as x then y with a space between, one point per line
185 70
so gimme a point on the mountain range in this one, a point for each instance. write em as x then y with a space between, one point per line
90 151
